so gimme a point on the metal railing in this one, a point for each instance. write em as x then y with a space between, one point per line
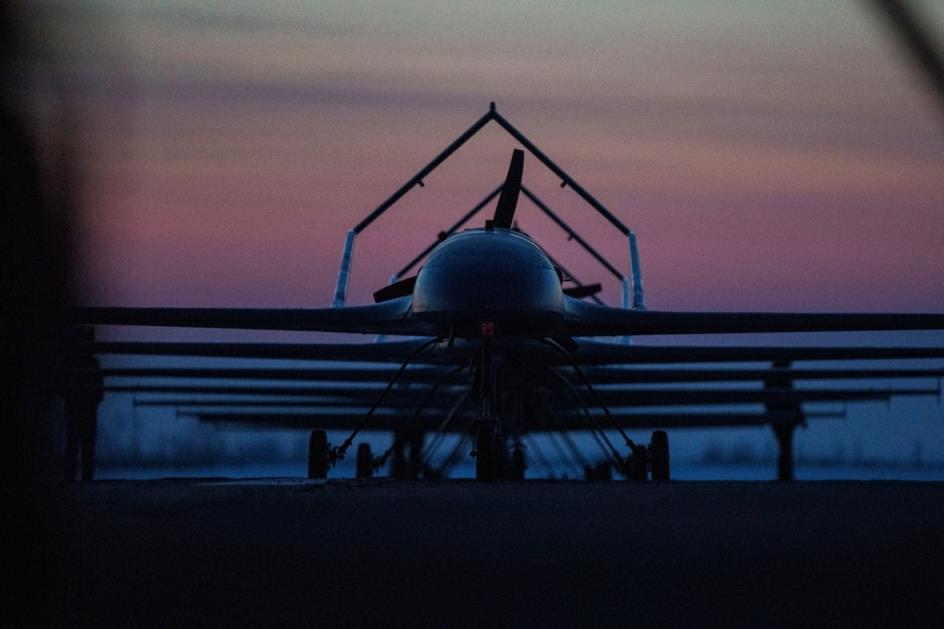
633 279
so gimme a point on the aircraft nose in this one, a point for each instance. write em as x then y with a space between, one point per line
488 277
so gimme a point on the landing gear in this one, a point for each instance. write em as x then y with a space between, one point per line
416 439
784 435
638 463
659 455
502 459
408 465
486 454
652 459
603 471
398 468
365 461
487 444
518 463
318 454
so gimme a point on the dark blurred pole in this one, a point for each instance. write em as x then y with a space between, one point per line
907 26
84 390
35 199
34 285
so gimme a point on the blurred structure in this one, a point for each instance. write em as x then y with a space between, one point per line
83 393
908 26
36 185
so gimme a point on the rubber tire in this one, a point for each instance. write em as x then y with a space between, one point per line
659 455
638 465
485 452
502 460
318 454
518 464
365 461
603 471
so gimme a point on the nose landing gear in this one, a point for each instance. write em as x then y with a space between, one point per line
650 460
486 451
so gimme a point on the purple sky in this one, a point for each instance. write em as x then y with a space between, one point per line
769 155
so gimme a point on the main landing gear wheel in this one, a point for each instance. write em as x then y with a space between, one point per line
603 471
659 455
485 452
318 454
365 461
638 463
502 466
518 463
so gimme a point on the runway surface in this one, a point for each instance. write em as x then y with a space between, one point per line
458 553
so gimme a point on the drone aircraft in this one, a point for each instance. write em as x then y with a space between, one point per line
493 321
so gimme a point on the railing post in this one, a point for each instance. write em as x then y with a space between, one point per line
344 273
639 300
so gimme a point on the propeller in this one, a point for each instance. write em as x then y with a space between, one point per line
584 290
401 288
508 201
504 217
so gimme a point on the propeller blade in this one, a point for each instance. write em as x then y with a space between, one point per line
508 201
402 288
585 290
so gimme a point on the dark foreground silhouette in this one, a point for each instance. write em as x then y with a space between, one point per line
447 553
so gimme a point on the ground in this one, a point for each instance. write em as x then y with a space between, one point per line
460 553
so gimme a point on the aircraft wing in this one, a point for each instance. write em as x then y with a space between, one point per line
382 375
361 397
388 317
334 420
619 375
600 353
712 420
586 319
596 375
587 353
330 420
392 351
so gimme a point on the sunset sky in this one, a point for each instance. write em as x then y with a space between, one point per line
769 155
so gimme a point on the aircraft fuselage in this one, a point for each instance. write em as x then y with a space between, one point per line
494 277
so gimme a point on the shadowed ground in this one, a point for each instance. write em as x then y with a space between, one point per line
459 553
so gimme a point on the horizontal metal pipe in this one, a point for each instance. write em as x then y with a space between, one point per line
557 170
571 233
426 170
462 221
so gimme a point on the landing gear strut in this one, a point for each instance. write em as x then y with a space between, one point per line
318 454
638 463
486 452
652 459
518 463
659 455
365 461
487 441
408 465
784 434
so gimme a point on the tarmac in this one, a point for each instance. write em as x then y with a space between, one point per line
460 553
